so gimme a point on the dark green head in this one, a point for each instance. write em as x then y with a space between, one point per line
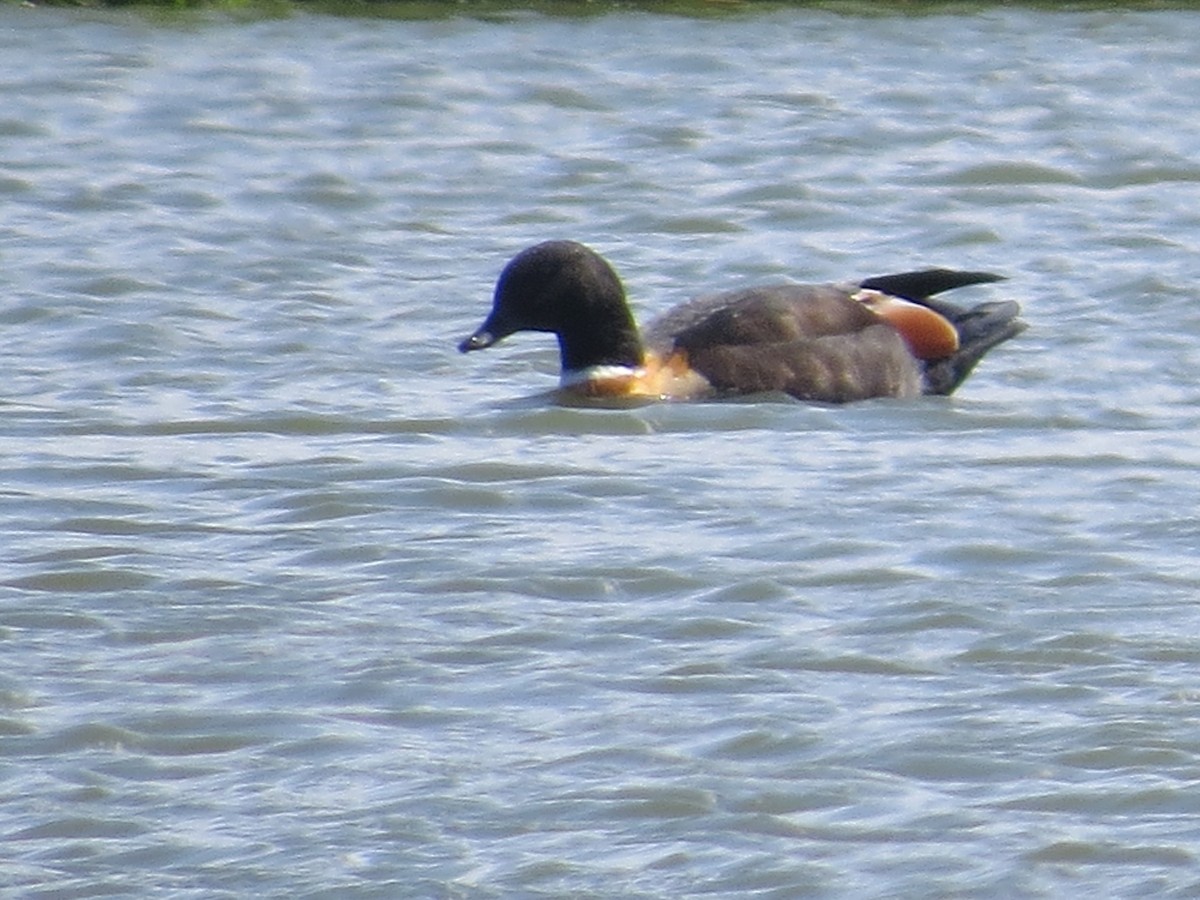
568 289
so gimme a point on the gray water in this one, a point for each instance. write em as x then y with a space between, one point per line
296 601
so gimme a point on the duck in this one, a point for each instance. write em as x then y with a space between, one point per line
885 336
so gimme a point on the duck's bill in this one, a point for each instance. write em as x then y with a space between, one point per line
480 340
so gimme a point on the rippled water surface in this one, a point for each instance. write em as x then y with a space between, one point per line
296 601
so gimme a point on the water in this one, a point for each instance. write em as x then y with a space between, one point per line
297 601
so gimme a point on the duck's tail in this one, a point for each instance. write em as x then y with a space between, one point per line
980 328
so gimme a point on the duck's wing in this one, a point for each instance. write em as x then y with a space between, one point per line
980 328
814 342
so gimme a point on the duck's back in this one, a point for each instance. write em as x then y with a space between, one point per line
810 341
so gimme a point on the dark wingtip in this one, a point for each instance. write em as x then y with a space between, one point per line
979 329
917 286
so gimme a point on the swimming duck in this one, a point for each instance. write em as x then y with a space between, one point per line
882 337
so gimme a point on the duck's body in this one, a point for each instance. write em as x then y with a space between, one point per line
883 337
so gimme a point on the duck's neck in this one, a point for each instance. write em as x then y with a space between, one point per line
606 339
604 380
